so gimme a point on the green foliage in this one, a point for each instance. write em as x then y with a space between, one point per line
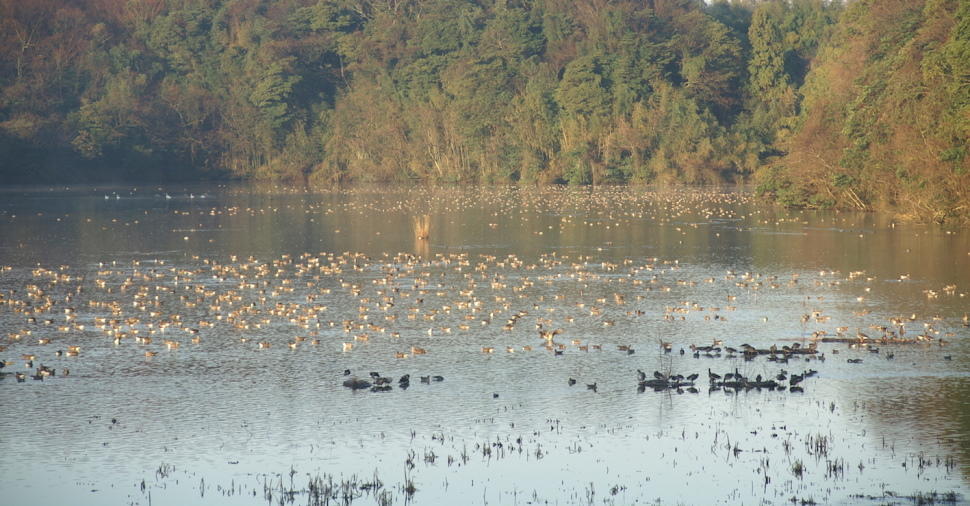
863 104
892 132
772 181
583 91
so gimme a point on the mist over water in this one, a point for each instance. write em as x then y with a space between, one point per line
218 419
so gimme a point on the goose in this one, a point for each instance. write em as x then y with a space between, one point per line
713 376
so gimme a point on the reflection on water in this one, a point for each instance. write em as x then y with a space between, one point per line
337 280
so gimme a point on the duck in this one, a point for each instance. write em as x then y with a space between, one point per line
548 335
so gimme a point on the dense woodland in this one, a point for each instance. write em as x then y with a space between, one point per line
864 104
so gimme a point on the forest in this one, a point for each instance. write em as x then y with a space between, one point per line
861 104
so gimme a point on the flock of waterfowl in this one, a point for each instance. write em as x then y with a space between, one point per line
378 383
141 301
405 302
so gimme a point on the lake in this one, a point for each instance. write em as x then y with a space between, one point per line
200 338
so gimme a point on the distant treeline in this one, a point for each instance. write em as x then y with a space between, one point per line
823 104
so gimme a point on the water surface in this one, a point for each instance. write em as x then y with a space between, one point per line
223 421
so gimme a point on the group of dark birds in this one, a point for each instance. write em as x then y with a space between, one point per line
42 371
378 383
729 382
775 353
736 381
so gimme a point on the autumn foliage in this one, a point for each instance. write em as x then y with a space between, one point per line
861 105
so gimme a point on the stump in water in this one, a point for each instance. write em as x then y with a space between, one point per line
422 227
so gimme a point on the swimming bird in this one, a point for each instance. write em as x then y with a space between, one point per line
548 335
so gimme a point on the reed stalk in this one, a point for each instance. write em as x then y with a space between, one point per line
422 227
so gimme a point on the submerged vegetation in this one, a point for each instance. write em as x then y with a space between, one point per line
862 105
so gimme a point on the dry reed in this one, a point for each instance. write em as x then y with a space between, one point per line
422 227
